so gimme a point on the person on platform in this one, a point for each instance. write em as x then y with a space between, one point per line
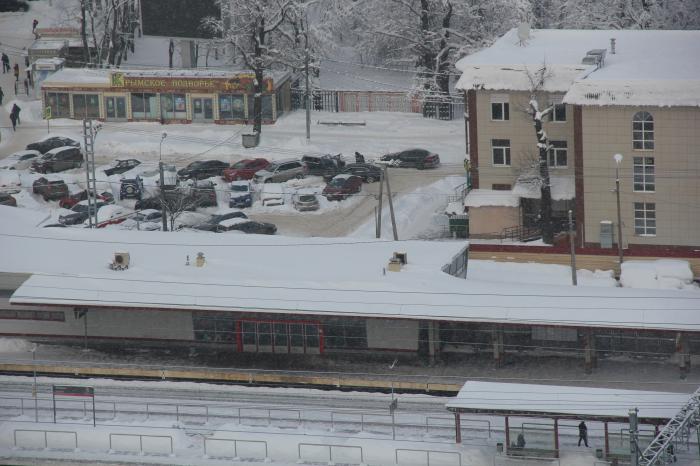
359 158
521 441
26 86
15 111
13 119
5 63
16 72
35 23
582 434
2 94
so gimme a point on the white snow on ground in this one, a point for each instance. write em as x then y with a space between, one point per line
14 345
531 273
658 274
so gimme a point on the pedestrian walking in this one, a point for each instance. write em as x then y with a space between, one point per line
13 119
35 23
26 86
2 94
29 77
16 72
15 111
5 63
582 434
359 158
26 61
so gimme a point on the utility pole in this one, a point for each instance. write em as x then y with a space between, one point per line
89 137
572 235
618 161
164 215
308 85
379 207
634 448
391 204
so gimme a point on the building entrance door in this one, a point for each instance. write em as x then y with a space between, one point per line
115 108
202 109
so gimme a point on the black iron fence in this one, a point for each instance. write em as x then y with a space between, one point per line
369 101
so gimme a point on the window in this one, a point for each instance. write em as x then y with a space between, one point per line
345 333
645 218
500 111
59 103
231 107
173 106
266 107
86 106
644 179
501 152
56 316
558 112
214 327
143 106
643 131
557 154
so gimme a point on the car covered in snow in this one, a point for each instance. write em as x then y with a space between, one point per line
50 190
272 194
202 169
21 160
245 169
368 172
280 171
112 214
58 160
305 202
121 166
80 212
211 224
412 158
146 220
72 199
8 200
246 226
241 194
10 182
53 142
342 186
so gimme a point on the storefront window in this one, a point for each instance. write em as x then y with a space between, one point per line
173 106
59 103
266 107
86 106
231 107
143 106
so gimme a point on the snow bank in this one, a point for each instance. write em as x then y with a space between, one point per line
658 274
489 197
15 345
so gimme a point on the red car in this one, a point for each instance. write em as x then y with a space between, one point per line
245 169
71 200
342 186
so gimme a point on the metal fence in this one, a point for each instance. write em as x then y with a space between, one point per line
450 108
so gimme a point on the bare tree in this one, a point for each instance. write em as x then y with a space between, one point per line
107 30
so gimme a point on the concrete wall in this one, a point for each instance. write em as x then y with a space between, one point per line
392 334
520 131
488 221
607 131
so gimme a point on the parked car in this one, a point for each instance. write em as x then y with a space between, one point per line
246 226
326 166
221 217
131 188
21 160
72 199
50 190
202 169
8 200
272 194
245 169
241 194
191 197
13 5
281 170
149 203
81 212
10 182
417 158
342 186
368 172
52 143
58 160
305 201
146 220
112 215
122 166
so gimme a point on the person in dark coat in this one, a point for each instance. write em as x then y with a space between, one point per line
359 158
13 119
26 86
15 111
582 434
35 23
2 94
5 63
29 77
16 72
521 441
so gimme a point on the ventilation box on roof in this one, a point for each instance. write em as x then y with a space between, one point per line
594 57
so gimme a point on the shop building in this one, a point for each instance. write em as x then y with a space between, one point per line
167 96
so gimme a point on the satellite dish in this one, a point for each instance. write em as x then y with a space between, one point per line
524 33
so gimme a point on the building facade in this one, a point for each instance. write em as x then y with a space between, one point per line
638 98
181 96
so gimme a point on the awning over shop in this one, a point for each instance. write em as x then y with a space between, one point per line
562 188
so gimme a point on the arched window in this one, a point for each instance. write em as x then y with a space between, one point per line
643 131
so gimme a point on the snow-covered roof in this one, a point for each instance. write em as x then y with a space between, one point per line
562 188
649 67
566 400
454 208
44 44
67 76
276 274
491 198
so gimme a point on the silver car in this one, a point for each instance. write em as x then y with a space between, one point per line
281 170
303 202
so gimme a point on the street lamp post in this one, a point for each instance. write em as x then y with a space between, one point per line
162 180
36 401
618 161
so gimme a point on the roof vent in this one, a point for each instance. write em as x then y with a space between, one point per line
398 260
595 57
612 46
120 261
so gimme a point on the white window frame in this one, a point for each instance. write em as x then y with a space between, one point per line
645 219
644 174
504 150
503 101
643 131
553 154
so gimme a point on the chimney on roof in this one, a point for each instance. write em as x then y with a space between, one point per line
612 46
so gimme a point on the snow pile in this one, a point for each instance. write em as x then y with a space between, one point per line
14 345
536 274
562 188
658 274
489 197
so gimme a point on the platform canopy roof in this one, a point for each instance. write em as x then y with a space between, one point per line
311 276
566 402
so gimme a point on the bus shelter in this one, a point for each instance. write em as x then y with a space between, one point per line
539 420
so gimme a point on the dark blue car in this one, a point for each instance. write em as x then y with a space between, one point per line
241 195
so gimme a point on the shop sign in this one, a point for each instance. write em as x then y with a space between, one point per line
239 83
58 32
